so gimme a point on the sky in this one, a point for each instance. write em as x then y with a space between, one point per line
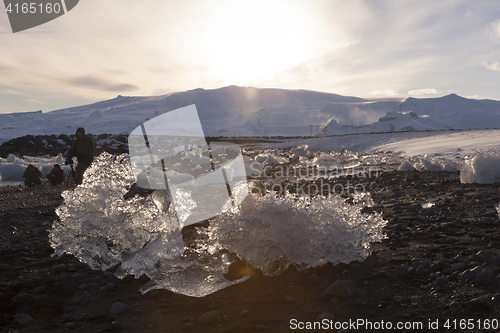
369 49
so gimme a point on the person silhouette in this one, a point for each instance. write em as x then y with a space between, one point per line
56 175
83 150
32 175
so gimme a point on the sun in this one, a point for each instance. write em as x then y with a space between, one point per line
251 40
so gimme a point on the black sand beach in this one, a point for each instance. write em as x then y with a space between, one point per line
438 265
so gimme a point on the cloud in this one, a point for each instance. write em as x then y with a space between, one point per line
385 93
421 92
495 29
34 101
12 92
494 66
100 84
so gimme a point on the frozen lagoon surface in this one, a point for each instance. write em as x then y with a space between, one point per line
141 235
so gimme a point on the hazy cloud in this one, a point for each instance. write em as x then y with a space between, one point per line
12 92
494 66
100 84
421 92
385 93
34 101
495 27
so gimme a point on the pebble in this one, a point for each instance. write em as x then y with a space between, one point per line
290 299
40 290
150 326
81 300
83 286
260 327
21 298
441 281
401 271
313 280
416 299
325 315
187 326
59 269
107 287
23 318
69 324
477 301
341 288
209 317
459 266
118 307
485 277
116 324
187 319
108 274
466 275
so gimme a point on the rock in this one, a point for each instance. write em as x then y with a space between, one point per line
341 288
485 277
58 269
466 275
150 326
459 266
118 307
23 319
312 280
289 299
69 324
416 299
441 281
40 290
187 319
325 315
83 286
81 300
21 298
187 326
108 274
401 271
116 324
477 301
260 327
108 287
209 317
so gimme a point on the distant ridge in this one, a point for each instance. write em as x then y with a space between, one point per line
246 111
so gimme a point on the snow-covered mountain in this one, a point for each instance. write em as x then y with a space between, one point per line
246 111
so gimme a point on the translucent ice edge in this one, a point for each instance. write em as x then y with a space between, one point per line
141 235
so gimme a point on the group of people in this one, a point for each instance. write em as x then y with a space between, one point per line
33 176
83 150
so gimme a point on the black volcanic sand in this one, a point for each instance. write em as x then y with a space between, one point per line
447 255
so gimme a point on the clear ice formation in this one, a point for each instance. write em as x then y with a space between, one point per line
142 235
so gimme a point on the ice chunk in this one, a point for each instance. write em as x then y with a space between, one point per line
482 168
142 234
406 166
